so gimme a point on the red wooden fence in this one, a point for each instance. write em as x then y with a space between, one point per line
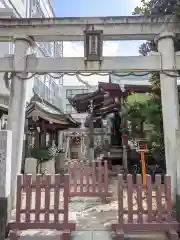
145 209
42 205
89 181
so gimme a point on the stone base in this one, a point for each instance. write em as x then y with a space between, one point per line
176 208
62 172
3 217
91 154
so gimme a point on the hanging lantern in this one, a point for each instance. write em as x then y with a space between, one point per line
93 41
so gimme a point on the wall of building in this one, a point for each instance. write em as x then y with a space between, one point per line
35 8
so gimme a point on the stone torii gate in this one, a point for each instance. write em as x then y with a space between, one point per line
25 31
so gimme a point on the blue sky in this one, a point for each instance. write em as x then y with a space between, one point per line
76 8
86 8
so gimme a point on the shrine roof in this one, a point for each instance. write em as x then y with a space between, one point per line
81 102
138 88
107 109
86 97
41 109
115 87
4 108
109 87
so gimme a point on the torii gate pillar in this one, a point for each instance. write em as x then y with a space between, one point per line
170 104
17 108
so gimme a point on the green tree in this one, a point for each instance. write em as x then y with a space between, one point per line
134 110
143 108
158 8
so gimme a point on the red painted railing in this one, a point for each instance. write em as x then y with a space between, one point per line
89 181
143 208
42 205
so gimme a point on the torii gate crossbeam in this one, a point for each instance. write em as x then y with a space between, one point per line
35 64
72 29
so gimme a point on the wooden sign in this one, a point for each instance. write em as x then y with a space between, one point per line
142 145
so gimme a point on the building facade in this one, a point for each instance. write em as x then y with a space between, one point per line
45 86
70 91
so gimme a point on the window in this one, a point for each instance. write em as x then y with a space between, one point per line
73 92
6 101
74 155
58 49
68 93
84 90
11 48
61 81
34 2
55 89
39 10
76 91
51 48
68 108
73 110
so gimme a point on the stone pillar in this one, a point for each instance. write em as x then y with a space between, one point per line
124 154
170 104
25 146
36 138
91 135
43 137
102 133
5 179
178 175
17 107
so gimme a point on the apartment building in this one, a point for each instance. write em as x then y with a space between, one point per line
45 86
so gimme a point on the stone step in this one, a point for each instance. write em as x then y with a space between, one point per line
146 236
105 235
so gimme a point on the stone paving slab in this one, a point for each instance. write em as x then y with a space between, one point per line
88 235
147 236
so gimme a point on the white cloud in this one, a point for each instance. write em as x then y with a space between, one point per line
118 48
77 50
134 3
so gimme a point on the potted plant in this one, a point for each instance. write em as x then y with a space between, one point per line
125 134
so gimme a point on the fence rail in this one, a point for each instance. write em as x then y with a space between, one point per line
89 181
42 205
45 204
142 208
